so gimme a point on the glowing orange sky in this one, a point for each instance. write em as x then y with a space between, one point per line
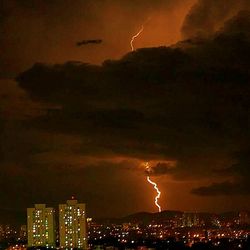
110 158
37 36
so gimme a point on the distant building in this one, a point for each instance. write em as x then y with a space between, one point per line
72 225
41 226
190 220
244 218
23 232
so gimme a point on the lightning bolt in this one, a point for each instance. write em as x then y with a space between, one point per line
158 193
135 36
155 187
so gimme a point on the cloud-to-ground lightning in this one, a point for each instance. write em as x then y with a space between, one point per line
158 193
155 187
147 164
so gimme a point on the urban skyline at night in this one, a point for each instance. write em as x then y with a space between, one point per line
164 230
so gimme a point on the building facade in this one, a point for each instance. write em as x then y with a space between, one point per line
72 225
41 226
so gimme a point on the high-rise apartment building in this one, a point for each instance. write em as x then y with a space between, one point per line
190 219
72 225
41 226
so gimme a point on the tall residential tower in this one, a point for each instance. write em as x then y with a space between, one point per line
72 225
41 226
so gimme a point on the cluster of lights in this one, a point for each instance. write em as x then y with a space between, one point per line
129 233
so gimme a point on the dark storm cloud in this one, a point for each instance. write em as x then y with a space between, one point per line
190 105
239 24
223 188
85 42
159 169
94 181
239 170
208 16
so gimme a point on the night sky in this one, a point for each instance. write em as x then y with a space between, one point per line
83 119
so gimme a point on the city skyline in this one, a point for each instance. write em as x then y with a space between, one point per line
168 229
93 91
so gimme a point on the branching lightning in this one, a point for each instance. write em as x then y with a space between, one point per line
155 187
135 36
